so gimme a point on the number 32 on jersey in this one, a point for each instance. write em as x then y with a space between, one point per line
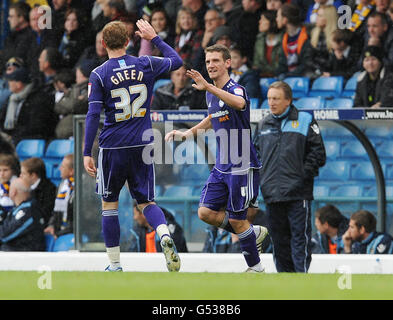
133 109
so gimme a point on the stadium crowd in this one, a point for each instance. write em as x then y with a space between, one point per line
45 72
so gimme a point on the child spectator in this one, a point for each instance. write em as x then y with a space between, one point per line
8 172
61 221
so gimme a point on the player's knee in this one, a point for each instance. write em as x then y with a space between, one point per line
239 225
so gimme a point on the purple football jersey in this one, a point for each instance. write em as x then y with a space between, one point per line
233 131
123 86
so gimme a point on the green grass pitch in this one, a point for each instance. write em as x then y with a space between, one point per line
191 286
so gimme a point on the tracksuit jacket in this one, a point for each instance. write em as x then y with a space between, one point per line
291 151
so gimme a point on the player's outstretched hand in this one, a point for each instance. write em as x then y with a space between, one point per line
90 167
200 82
145 31
175 134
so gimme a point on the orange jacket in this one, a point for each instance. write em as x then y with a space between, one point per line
301 40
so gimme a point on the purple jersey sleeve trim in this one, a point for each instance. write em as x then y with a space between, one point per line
168 52
92 123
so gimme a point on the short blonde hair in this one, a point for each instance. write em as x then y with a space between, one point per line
115 35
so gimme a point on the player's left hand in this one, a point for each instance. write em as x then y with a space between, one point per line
200 82
90 167
146 31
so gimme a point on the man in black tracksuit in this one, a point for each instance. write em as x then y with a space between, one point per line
292 151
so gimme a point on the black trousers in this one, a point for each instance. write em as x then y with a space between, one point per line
289 226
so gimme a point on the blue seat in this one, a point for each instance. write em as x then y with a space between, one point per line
299 86
350 86
178 191
371 191
332 148
310 103
339 103
328 87
362 171
321 191
353 149
385 149
389 172
338 132
29 148
49 242
160 83
346 191
55 153
195 174
64 243
254 103
335 170
264 84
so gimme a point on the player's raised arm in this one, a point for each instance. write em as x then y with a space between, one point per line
147 32
232 100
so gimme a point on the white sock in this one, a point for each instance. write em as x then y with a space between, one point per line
162 230
257 230
114 256
257 267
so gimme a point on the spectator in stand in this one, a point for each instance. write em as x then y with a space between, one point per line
20 37
96 53
74 100
161 24
274 5
359 16
321 40
134 41
245 27
345 54
178 93
114 9
98 20
331 225
230 8
312 12
213 19
374 87
61 221
28 113
75 38
12 64
199 9
63 81
9 167
244 75
188 37
145 238
382 6
22 229
223 35
33 172
362 237
50 61
296 47
6 145
59 10
44 37
380 34
268 45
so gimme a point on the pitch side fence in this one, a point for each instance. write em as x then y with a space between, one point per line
357 122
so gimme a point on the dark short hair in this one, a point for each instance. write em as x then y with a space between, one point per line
35 165
329 214
382 16
22 9
9 160
292 12
54 57
366 219
284 87
66 76
219 48
345 35
118 5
